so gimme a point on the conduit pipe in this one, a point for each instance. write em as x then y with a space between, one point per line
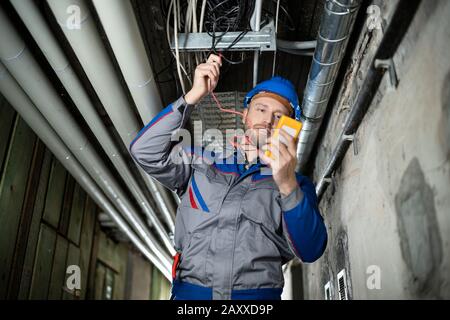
121 27
34 21
258 10
25 108
90 51
20 63
334 32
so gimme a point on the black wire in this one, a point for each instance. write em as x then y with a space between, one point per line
171 64
236 40
164 5
227 16
221 17
172 60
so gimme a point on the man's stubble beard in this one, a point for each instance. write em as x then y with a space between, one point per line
258 134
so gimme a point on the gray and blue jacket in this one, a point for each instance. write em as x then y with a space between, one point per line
233 229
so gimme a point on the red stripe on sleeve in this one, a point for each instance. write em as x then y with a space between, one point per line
191 198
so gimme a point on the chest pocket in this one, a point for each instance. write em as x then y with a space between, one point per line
261 205
206 190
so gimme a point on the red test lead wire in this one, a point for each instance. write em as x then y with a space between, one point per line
219 105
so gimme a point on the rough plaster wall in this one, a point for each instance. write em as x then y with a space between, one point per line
389 205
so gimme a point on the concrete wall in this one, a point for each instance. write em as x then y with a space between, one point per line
388 208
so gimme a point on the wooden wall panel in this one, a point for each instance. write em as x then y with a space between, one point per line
86 243
100 272
73 258
26 218
54 198
7 117
12 191
33 234
58 277
67 205
47 222
76 215
43 263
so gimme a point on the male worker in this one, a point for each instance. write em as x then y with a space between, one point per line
236 224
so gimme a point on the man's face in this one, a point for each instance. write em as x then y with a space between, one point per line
261 117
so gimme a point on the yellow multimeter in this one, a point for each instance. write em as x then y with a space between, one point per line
291 126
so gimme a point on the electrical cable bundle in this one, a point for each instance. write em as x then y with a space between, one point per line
228 15
225 16
216 17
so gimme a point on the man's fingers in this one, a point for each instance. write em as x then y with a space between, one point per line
279 150
214 58
216 67
206 66
210 68
267 160
276 151
283 151
213 82
203 72
208 72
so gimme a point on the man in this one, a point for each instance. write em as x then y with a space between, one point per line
240 218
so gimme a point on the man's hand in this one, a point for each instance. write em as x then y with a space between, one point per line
283 162
206 78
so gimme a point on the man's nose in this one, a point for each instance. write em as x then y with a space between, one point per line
268 122
272 121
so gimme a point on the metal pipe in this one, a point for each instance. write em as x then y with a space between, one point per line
90 51
255 67
258 10
34 21
296 45
121 27
25 108
334 32
400 21
20 63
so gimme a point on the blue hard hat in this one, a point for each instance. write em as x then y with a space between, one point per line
280 86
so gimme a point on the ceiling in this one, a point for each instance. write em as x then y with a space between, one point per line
304 24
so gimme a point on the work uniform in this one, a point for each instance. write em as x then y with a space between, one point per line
233 229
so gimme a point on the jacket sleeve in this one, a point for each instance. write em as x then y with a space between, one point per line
157 150
303 226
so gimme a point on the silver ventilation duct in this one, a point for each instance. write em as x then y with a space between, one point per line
334 32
